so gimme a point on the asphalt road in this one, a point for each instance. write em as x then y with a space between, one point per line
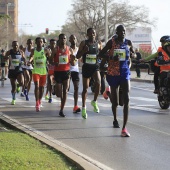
95 139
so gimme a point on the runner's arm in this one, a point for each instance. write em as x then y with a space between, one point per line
73 59
82 49
103 52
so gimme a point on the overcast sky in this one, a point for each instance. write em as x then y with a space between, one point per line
36 15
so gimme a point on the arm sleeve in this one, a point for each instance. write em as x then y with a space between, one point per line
152 56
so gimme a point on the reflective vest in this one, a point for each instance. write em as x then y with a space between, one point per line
165 57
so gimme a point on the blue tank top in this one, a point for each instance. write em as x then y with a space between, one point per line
121 67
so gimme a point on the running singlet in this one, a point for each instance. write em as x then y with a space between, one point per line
121 67
39 62
63 59
27 57
15 61
75 68
91 56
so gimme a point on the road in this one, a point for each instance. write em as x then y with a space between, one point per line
95 139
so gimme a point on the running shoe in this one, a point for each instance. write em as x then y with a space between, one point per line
116 124
62 114
46 97
22 94
125 133
13 102
83 113
50 100
38 108
18 88
40 103
96 108
76 109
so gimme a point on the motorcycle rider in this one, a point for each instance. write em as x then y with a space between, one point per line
156 69
163 61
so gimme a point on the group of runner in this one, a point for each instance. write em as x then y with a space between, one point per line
57 64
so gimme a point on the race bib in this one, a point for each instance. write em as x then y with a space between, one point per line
15 62
91 58
39 63
63 59
121 53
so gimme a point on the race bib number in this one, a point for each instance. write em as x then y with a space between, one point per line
91 58
39 63
15 62
121 53
63 59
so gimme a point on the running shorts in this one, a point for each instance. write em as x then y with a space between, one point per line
75 76
61 76
39 78
12 74
88 70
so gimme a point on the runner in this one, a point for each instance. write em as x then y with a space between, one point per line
61 58
50 75
16 60
118 73
39 57
88 50
27 70
75 73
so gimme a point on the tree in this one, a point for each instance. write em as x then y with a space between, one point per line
3 17
88 13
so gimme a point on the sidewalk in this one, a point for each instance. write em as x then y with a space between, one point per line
145 77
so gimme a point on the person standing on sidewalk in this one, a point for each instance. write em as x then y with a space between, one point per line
88 50
61 57
39 57
16 60
137 58
75 72
118 73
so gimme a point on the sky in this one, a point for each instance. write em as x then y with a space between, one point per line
36 15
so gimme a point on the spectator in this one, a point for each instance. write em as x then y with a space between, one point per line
138 57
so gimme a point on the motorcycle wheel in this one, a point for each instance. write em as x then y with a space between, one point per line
163 104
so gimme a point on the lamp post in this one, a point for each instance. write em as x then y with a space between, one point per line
7 5
106 23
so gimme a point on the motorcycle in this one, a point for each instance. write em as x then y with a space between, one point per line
163 95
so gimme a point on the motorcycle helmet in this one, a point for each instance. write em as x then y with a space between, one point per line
163 38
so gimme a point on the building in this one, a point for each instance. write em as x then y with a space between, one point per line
10 26
141 38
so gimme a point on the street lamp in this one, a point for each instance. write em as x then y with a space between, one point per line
7 5
106 23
